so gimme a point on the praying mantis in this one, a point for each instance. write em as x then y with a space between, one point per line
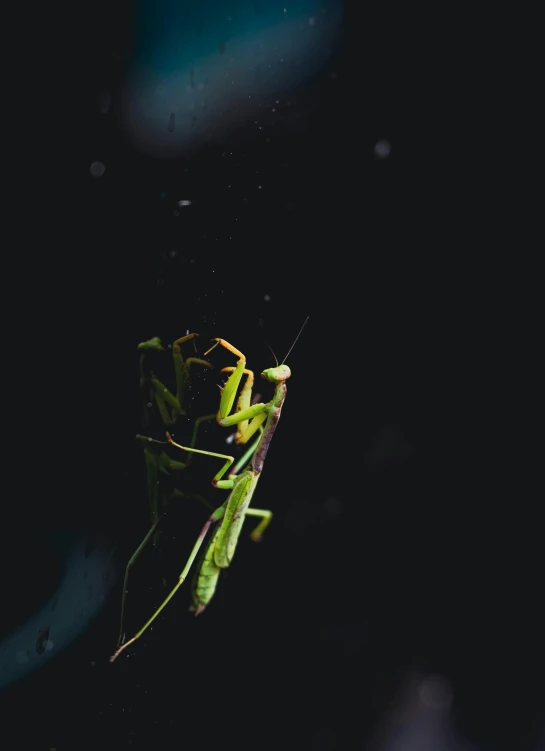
230 516
158 401
169 408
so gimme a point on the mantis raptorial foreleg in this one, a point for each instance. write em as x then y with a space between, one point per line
170 406
158 392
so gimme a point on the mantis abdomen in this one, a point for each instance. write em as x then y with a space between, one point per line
235 511
206 580
221 548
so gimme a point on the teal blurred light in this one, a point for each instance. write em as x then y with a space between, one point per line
88 573
201 69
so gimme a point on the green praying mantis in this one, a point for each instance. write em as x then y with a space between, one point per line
154 393
162 407
261 418
159 402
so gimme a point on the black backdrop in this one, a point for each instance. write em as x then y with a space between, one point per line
381 558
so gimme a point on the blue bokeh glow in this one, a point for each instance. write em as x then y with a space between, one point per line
201 69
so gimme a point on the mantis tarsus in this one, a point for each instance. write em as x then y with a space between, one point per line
220 549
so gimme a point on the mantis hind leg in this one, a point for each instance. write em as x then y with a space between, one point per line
131 562
158 461
216 516
266 519
150 534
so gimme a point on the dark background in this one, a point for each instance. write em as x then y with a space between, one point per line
379 561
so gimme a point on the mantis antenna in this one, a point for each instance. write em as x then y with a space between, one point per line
295 342
272 351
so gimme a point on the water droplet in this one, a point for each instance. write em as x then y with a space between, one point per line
382 149
97 169
436 692
332 508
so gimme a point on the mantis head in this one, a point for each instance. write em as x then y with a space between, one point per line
280 373
154 343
